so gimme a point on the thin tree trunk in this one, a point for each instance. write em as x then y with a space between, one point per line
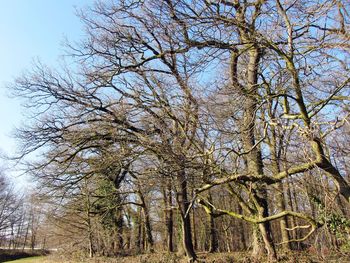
228 245
120 230
138 234
276 152
292 219
283 221
265 228
148 229
242 226
195 243
170 222
25 237
213 233
19 230
168 217
88 219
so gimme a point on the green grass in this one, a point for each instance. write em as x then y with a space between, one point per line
37 259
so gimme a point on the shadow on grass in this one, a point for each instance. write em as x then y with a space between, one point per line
13 254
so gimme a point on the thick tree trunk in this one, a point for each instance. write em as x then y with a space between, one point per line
186 219
257 244
262 243
213 235
254 158
255 166
269 246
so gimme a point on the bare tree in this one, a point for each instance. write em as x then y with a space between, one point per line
239 95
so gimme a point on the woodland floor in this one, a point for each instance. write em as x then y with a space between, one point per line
294 257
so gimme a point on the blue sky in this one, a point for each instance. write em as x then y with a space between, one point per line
31 29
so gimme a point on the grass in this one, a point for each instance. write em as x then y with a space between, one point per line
18 255
36 259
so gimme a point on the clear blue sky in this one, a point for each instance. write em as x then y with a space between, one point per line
31 29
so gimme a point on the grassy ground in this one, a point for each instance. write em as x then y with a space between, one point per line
37 259
12 255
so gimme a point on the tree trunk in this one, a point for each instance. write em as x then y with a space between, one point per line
262 242
242 233
292 222
254 158
257 244
25 237
265 228
269 246
170 224
138 230
149 237
91 248
283 221
213 233
168 217
120 229
227 240
195 243
148 228
280 198
186 219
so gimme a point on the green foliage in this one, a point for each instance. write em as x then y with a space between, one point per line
336 223
333 220
107 205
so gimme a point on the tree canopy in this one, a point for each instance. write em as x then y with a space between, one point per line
237 107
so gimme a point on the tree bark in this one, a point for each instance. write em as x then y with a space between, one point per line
257 246
183 203
168 216
276 151
148 228
138 229
283 221
213 233
194 232
120 229
254 158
